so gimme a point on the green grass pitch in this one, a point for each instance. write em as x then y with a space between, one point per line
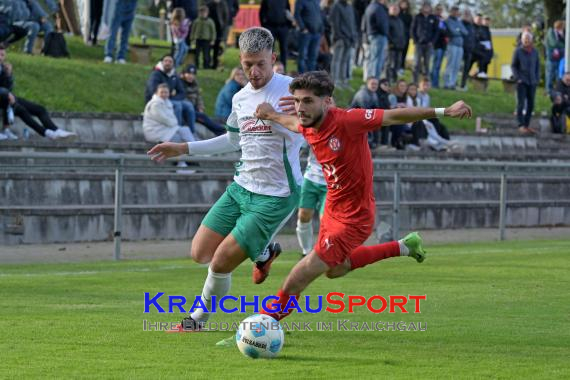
493 310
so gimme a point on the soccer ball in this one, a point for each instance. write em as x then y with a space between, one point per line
260 336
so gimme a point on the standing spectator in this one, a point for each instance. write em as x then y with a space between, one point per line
424 33
359 9
344 36
485 46
192 90
233 9
469 42
554 53
203 36
396 42
367 98
275 19
123 18
190 8
95 14
376 28
526 71
439 46
9 32
407 18
24 109
164 72
310 23
234 83
456 32
220 14
179 27
28 14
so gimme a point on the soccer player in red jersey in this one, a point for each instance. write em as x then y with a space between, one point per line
339 140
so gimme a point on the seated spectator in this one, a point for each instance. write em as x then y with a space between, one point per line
424 101
558 114
9 32
367 97
418 129
383 93
279 68
164 72
397 99
192 90
563 88
234 83
28 14
179 28
24 109
160 123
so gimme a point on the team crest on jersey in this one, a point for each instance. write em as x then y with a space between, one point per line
334 144
368 114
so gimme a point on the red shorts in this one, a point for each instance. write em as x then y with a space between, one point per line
337 240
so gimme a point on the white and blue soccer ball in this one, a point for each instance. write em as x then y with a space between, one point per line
260 336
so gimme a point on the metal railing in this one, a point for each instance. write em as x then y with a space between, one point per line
119 164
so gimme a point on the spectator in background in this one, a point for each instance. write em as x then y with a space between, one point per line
95 14
484 46
220 14
526 71
279 68
554 53
383 94
310 23
179 27
123 18
563 88
164 72
359 9
159 122
376 28
424 100
439 46
457 33
558 114
424 33
203 36
396 42
234 83
9 32
367 98
28 14
273 15
407 18
398 99
469 42
192 90
190 8
24 109
233 9
344 36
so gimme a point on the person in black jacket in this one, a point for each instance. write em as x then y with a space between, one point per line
275 19
439 46
9 32
220 13
344 38
396 42
407 19
483 52
424 33
469 42
526 71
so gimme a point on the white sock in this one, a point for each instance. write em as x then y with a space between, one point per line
404 251
305 236
217 284
263 256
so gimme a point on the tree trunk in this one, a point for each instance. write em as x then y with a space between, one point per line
554 11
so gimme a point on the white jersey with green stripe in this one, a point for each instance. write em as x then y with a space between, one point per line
314 170
269 163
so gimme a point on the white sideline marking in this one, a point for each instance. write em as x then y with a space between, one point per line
89 272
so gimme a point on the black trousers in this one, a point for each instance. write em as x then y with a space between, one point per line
281 34
467 64
203 47
26 110
525 97
394 61
217 52
96 9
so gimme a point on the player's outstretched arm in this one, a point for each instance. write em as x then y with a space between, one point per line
265 111
459 110
161 152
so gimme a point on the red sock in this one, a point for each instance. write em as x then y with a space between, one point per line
282 302
363 256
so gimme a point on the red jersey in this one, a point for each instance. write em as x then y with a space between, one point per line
341 147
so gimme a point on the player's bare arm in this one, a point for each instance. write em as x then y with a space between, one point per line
163 151
458 110
265 111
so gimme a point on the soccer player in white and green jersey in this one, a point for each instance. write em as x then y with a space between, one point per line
266 187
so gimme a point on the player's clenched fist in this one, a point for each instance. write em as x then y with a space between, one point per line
459 110
264 111
161 152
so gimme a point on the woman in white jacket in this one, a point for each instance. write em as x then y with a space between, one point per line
159 121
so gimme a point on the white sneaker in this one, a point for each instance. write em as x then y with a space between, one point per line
3 136
121 61
62 134
51 134
11 135
181 164
108 59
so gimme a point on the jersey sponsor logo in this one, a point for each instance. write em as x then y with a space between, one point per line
251 125
334 144
368 114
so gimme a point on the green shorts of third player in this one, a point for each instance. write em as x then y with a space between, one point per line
252 219
313 196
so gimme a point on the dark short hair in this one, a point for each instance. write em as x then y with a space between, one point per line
162 85
317 81
370 78
166 55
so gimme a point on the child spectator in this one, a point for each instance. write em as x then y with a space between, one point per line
193 95
224 100
179 27
203 36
